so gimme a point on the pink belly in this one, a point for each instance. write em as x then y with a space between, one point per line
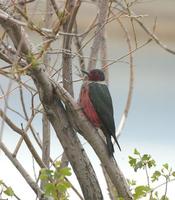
88 107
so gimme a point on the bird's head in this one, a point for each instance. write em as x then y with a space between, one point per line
95 75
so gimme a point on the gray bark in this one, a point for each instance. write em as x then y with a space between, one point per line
45 121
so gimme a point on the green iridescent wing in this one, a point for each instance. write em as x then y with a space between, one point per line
102 102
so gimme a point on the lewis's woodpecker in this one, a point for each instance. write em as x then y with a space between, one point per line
96 102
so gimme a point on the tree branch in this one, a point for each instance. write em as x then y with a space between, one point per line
103 8
22 171
24 135
131 83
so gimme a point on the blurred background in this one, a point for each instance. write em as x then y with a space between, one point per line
150 126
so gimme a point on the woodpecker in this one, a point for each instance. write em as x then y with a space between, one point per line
96 102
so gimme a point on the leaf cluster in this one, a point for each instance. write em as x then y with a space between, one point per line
33 60
140 162
146 162
55 184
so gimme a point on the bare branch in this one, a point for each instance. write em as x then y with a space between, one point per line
24 135
23 172
55 7
16 34
103 8
131 83
2 113
111 189
154 37
103 55
25 130
67 66
78 46
46 124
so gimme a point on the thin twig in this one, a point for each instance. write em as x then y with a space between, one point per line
154 37
22 101
103 8
25 130
22 171
162 184
2 113
131 83
132 23
25 136
78 46
2 183
55 7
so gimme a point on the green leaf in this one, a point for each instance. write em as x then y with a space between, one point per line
57 164
45 174
136 152
164 198
49 189
67 184
34 61
58 176
146 157
155 176
139 165
173 174
1 182
132 161
61 187
55 185
9 192
151 163
166 166
65 171
141 191
131 182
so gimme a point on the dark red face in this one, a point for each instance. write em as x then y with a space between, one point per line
96 75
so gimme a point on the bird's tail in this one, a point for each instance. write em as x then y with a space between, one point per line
114 136
109 145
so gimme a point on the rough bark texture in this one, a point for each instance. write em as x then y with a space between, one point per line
111 189
46 124
76 156
46 141
71 145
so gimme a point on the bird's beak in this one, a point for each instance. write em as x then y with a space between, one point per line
85 72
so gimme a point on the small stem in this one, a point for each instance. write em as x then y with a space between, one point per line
147 175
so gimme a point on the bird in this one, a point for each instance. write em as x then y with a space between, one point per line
96 102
